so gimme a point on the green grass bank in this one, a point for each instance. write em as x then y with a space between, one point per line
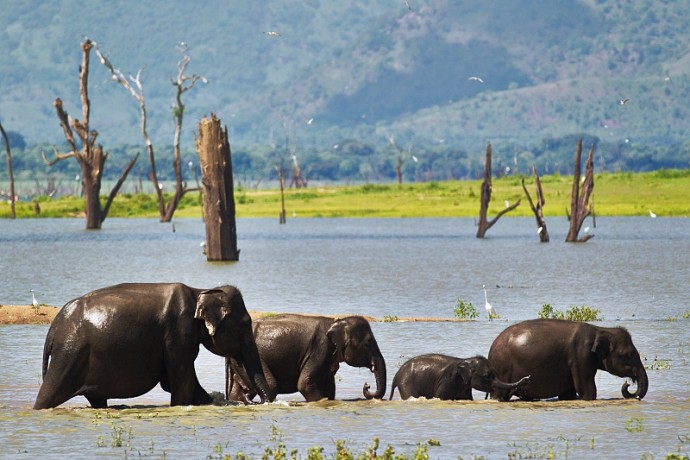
665 192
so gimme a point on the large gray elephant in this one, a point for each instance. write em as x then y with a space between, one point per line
120 341
562 357
448 378
302 353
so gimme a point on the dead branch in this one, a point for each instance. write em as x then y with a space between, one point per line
484 224
538 209
13 213
580 208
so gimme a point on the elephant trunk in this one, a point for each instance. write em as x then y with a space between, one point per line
378 367
501 385
255 372
642 385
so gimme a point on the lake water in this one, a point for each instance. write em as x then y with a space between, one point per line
635 270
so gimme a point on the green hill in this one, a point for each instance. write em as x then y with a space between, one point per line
364 70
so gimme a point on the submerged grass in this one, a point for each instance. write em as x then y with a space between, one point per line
664 192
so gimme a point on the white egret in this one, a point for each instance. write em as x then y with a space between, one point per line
651 214
623 101
489 309
476 79
34 302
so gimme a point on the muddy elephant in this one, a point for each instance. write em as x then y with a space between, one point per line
301 353
448 378
120 341
562 358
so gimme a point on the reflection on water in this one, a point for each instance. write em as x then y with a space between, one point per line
635 271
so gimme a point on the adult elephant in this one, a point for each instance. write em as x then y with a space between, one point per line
562 357
120 341
448 378
303 353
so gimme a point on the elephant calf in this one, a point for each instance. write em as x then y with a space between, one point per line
302 353
562 358
448 378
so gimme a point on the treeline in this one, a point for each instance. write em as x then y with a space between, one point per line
355 161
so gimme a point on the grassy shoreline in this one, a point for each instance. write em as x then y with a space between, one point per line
665 192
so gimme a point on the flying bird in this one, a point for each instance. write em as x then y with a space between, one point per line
624 101
415 159
487 306
407 4
476 79
310 121
272 33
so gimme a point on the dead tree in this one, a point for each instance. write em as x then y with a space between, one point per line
182 83
219 201
296 177
538 208
580 208
484 224
399 157
281 180
91 157
13 213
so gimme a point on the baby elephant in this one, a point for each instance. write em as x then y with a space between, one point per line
447 377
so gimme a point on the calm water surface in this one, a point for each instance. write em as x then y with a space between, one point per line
635 270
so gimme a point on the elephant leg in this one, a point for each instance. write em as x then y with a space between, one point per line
201 396
97 403
62 382
568 395
316 389
585 385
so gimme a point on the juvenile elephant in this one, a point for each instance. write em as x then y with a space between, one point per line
120 341
562 358
302 353
447 377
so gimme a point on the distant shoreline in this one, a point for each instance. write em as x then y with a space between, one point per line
26 314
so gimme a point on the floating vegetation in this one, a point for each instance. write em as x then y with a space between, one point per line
388 318
634 425
465 310
658 364
583 313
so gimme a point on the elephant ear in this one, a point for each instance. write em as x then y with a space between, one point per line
464 373
337 334
211 308
602 346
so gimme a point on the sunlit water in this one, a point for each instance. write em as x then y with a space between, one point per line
636 271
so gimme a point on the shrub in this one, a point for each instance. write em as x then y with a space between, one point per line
465 310
583 313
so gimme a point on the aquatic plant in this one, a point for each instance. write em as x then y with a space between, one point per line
582 313
465 310
388 318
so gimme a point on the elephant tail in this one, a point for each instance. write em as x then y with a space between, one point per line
393 387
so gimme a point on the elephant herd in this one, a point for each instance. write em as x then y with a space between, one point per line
123 340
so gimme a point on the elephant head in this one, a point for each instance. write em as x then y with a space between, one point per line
230 333
617 355
484 378
355 345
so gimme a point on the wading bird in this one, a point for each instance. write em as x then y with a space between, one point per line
489 309
34 302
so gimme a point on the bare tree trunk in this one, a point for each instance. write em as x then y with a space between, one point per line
281 179
219 201
13 213
484 224
538 209
91 157
182 84
579 200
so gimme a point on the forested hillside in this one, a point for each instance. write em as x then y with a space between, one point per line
334 82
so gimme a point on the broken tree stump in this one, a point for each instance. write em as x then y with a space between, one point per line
484 224
538 208
580 208
219 201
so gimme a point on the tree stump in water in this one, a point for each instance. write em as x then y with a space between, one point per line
219 201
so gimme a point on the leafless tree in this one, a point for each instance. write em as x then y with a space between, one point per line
484 224
580 207
399 156
13 214
538 208
91 157
182 84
